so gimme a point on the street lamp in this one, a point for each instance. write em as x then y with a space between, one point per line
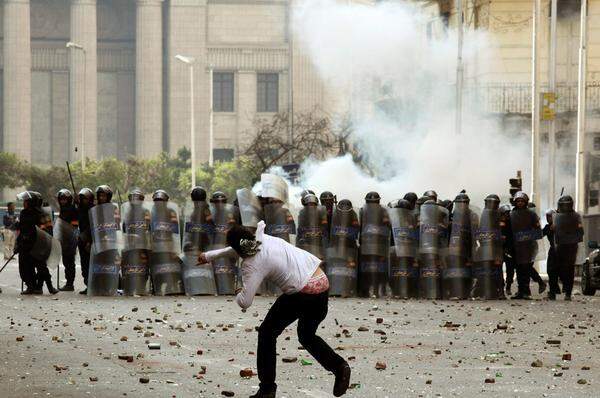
190 62
75 46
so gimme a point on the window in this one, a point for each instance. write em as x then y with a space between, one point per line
568 9
597 143
267 92
593 200
223 91
222 154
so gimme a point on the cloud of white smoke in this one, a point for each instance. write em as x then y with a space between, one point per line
400 89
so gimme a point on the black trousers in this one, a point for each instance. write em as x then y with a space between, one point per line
525 272
510 270
27 269
535 276
43 274
310 310
553 271
566 255
84 256
68 259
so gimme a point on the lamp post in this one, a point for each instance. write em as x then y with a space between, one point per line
189 61
580 164
75 46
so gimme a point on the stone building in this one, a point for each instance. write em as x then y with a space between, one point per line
120 87
500 79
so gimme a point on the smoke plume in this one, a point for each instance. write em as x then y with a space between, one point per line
398 85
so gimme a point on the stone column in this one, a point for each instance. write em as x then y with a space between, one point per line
187 36
83 79
148 78
17 79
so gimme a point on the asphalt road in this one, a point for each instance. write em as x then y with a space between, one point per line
69 345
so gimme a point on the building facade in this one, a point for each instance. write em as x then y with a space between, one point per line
499 80
118 89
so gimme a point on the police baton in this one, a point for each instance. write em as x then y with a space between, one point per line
71 178
7 261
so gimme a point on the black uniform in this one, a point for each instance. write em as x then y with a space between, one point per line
84 243
509 254
551 264
69 214
29 218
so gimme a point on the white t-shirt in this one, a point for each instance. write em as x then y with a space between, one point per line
285 265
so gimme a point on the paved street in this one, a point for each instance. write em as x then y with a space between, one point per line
69 346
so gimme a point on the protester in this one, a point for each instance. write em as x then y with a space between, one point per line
10 227
305 287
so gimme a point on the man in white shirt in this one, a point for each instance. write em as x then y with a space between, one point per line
305 287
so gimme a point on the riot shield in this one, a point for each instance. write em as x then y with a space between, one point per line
567 228
488 255
312 230
279 221
526 232
198 279
456 273
375 231
273 186
404 272
135 257
342 253
42 245
55 254
374 250
199 227
66 234
433 242
103 279
165 264
224 216
250 208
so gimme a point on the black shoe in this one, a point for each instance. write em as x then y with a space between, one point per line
551 296
67 288
542 287
84 291
28 291
568 297
521 296
342 380
51 289
261 394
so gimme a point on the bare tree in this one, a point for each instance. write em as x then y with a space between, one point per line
316 136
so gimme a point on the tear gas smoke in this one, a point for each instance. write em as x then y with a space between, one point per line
399 88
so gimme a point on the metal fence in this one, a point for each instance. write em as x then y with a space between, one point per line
516 97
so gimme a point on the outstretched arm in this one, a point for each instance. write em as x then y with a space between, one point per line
215 254
252 277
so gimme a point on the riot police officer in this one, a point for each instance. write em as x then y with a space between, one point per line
28 220
526 231
551 267
65 231
84 242
568 233
329 200
374 247
411 197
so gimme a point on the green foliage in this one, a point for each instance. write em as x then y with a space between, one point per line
163 172
12 170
